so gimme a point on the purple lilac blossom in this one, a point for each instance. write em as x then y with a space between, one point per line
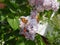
42 5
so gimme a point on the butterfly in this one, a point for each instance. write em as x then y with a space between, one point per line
25 21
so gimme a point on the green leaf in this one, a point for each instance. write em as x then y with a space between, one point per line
2 18
29 42
12 11
21 43
13 23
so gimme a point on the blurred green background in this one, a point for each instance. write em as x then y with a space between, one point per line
10 11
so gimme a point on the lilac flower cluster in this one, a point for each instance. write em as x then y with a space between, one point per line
42 5
30 26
